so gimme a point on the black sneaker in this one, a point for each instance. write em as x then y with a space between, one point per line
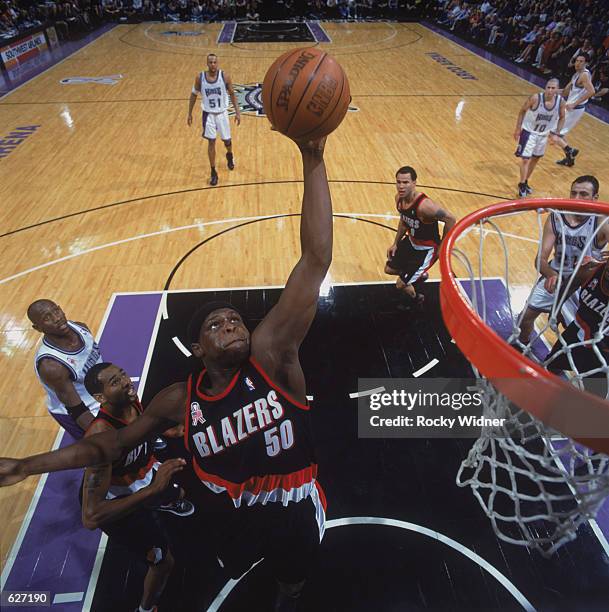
522 190
230 161
213 180
181 507
573 153
528 188
567 161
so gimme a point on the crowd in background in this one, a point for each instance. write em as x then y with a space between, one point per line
546 35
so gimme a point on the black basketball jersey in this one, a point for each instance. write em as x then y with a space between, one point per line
593 304
133 471
251 441
420 233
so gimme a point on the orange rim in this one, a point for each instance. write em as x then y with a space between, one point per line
549 398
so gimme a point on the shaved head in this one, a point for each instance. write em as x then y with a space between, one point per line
35 309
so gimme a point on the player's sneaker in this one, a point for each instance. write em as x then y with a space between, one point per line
573 153
528 188
567 161
522 190
181 507
230 162
159 444
213 179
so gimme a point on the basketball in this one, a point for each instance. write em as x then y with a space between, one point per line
305 94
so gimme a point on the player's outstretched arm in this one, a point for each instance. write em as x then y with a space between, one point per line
165 410
276 340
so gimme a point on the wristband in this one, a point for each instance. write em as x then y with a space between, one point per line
77 411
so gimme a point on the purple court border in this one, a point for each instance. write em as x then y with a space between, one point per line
48 59
318 32
57 554
523 73
227 32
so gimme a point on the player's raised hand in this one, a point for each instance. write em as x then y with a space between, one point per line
11 471
313 146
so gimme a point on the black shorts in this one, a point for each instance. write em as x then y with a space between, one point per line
412 262
286 536
142 533
584 358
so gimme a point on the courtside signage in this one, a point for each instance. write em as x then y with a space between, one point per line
29 47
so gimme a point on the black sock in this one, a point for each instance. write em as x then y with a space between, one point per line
213 169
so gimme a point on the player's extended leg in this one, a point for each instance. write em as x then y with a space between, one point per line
229 154
155 581
531 166
525 163
211 154
527 324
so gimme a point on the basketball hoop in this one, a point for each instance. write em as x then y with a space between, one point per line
534 484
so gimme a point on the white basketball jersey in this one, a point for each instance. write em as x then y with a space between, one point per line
576 91
77 363
542 119
575 239
214 96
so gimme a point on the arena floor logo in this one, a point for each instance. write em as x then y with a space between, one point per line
249 99
182 33
112 79
460 72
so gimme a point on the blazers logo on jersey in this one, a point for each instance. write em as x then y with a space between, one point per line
592 284
196 414
249 99
250 384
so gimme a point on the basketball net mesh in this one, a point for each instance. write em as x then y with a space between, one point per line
536 486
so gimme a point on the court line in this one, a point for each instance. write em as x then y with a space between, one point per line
366 393
426 368
57 63
226 186
200 48
430 533
67 597
353 95
43 478
336 52
12 556
188 227
140 391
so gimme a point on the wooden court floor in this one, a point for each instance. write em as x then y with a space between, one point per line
111 190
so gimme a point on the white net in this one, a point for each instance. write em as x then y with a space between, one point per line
536 485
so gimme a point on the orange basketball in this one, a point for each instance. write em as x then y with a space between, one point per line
305 93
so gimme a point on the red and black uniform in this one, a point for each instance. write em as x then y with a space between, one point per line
134 470
593 304
253 444
418 249
140 531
